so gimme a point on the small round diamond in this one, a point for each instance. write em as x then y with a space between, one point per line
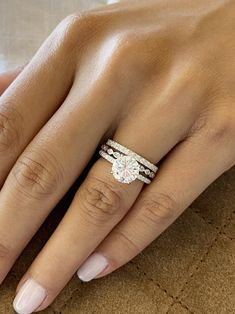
116 154
147 171
110 151
104 147
152 175
125 169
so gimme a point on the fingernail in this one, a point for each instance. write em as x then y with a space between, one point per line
29 298
92 267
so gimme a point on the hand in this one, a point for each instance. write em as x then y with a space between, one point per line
153 75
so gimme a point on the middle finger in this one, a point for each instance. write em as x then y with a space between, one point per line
46 169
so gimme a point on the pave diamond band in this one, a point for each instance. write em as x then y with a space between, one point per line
127 165
129 152
116 154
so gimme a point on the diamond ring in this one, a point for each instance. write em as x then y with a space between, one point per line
127 165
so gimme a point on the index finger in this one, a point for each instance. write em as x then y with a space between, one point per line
34 96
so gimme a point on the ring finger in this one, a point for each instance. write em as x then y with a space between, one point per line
100 203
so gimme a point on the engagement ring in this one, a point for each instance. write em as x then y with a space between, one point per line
127 165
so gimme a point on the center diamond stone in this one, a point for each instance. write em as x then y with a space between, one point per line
125 169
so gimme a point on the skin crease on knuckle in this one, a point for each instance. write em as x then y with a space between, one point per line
100 201
155 210
11 133
141 63
159 209
37 175
10 128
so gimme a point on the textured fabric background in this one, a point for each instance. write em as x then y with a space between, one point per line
189 269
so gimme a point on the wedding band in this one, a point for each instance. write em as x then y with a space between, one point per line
127 165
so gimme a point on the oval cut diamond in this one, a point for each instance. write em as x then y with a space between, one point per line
125 169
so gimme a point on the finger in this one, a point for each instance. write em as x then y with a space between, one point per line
44 172
7 78
100 203
34 96
54 159
188 170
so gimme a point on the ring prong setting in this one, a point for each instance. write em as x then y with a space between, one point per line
125 169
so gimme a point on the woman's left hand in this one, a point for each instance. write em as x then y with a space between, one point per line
154 76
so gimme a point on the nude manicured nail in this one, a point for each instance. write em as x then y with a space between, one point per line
29 298
92 267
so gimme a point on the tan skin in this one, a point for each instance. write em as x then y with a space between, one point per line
157 76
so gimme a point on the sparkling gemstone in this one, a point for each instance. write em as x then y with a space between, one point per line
116 154
104 147
152 175
125 169
110 151
147 171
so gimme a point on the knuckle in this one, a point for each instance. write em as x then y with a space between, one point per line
131 56
217 126
36 175
70 24
100 200
81 18
159 208
76 27
221 126
125 43
10 126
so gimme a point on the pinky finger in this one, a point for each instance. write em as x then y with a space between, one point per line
6 78
188 170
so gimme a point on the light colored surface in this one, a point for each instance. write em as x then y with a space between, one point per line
24 24
190 269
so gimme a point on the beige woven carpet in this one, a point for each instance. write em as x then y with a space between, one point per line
189 269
